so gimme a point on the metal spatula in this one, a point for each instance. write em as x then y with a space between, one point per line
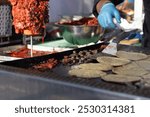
112 46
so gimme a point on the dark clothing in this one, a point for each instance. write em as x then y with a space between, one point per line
115 2
146 25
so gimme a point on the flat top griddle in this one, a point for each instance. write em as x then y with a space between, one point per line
59 73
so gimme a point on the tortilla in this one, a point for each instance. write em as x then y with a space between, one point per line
113 61
144 64
93 66
130 70
146 80
120 78
86 73
131 65
131 55
148 58
147 83
147 76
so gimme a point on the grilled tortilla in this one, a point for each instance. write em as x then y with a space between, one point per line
148 58
130 70
144 64
146 80
120 78
147 76
113 61
86 73
93 66
131 55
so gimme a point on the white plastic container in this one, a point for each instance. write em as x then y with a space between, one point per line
138 13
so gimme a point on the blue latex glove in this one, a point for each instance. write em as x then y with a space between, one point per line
106 15
130 1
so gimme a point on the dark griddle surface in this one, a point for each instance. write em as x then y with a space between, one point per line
59 73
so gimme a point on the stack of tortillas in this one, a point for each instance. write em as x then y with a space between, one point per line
133 68
136 68
125 67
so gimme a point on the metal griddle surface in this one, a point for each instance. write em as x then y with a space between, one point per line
60 72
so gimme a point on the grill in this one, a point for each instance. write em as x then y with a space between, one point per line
76 88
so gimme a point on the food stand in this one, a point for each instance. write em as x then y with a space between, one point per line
24 78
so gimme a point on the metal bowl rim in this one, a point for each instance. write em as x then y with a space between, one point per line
70 25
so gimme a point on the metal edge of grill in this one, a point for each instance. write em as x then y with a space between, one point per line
72 88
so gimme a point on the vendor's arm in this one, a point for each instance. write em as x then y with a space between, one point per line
105 11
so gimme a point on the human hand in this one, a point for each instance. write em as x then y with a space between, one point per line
107 14
130 1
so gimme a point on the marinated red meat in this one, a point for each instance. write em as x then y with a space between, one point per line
29 16
13 2
25 53
84 21
92 22
49 64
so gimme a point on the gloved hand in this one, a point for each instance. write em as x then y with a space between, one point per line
130 1
106 15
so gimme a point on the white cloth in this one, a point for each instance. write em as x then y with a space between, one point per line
59 8
126 26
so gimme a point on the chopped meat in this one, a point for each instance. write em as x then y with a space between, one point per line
30 15
84 21
25 53
83 56
49 64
